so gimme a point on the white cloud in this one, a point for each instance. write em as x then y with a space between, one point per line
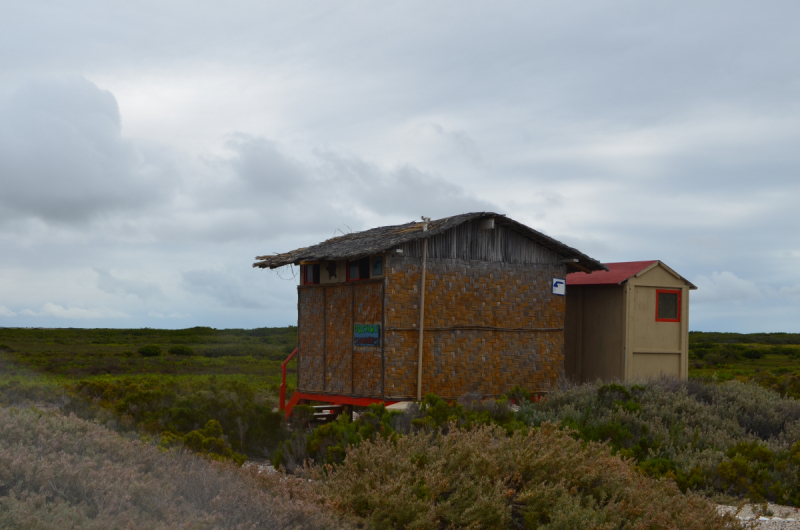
724 286
63 158
6 312
145 160
54 310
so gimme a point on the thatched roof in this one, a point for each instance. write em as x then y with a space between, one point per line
381 239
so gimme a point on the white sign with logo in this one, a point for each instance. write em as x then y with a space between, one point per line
559 286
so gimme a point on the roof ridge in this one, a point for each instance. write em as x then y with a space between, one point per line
382 238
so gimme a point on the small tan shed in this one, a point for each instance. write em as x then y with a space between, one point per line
628 322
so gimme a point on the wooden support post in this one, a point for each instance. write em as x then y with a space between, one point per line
422 309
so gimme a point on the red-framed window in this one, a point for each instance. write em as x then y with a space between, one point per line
358 269
309 274
668 305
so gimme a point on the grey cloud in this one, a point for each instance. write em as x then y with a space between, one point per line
143 290
272 191
405 190
631 130
62 156
262 168
224 287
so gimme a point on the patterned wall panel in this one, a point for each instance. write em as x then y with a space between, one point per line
462 293
339 339
310 362
367 360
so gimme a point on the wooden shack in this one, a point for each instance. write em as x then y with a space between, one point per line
628 322
482 294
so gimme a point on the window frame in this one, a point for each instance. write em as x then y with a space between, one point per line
359 279
372 261
679 292
314 276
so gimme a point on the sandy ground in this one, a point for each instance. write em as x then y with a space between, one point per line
776 516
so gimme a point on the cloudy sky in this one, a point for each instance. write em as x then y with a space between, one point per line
150 150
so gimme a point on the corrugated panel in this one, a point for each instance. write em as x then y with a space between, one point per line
617 273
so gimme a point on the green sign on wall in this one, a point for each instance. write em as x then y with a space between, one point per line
367 335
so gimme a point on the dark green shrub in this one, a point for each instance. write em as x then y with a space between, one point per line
753 354
700 349
151 350
158 404
328 443
181 349
519 394
207 441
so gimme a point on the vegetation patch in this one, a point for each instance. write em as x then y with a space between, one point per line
220 406
731 439
486 478
59 472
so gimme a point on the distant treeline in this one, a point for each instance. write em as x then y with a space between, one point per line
744 338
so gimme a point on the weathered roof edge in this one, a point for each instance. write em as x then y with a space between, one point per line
380 239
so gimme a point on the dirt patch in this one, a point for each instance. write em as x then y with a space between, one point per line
765 516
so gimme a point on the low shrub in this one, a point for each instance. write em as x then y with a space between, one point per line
786 384
159 405
181 349
727 439
753 353
486 478
328 443
62 472
208 441
151 350
783 350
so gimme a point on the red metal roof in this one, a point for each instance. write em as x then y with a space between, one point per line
617 273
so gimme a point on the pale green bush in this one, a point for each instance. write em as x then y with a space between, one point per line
62 472
730 439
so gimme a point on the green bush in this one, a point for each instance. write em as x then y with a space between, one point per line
753 354
208 441
181 349
485 478
328 443
730 438
157 405
783 350
151 350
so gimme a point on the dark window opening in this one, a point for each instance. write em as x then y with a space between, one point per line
358 269
668 306
377 266
310 274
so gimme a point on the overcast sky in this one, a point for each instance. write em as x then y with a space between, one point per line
150 150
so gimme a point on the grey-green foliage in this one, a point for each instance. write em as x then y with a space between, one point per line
687 428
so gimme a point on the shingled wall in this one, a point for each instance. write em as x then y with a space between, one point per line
514 332
478 294
328 362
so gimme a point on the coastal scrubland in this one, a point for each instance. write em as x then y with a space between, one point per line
210 390
183 409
